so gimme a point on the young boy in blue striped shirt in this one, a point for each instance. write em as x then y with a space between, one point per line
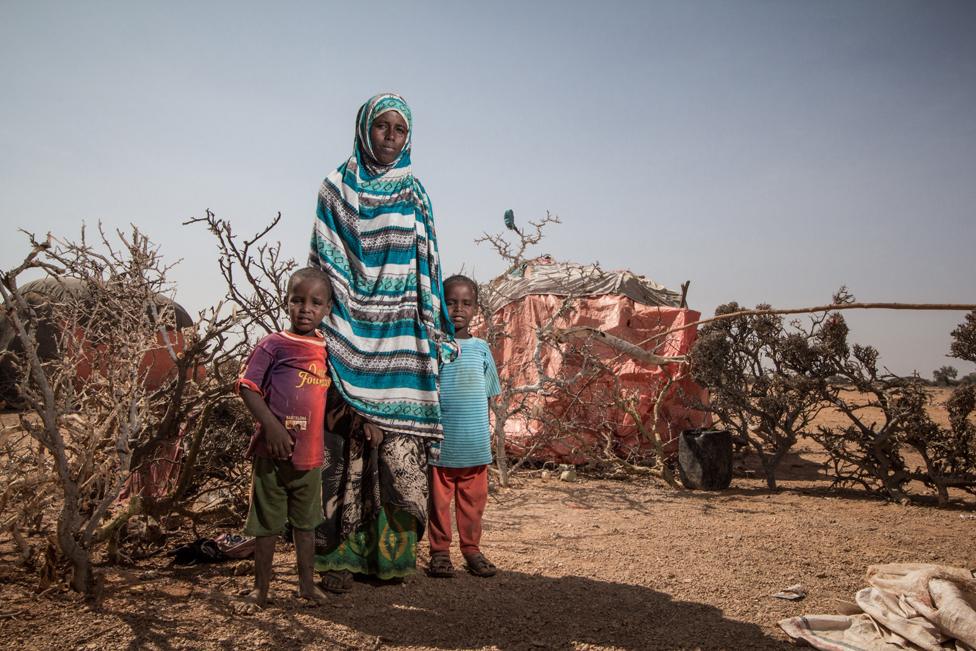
461 471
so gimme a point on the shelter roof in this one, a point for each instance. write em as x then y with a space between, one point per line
545 276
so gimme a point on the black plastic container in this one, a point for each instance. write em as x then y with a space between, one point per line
705 459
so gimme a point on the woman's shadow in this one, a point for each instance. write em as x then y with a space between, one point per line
523 611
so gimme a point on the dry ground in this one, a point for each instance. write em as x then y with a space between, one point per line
585 565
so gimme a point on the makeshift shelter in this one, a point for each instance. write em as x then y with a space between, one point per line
606 393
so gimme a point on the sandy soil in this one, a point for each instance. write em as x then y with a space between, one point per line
592 564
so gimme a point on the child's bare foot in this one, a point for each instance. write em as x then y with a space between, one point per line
250 602
313 596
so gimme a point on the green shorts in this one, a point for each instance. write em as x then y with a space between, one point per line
279 494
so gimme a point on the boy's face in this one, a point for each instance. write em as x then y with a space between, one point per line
309 300
461 306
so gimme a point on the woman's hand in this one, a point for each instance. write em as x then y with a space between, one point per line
374 434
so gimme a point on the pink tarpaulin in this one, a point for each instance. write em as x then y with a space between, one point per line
586 421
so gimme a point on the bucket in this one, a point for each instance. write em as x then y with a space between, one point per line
705 459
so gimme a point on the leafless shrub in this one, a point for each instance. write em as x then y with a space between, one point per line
521 398
127 406
888 414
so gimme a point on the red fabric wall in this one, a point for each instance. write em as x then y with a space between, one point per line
589 423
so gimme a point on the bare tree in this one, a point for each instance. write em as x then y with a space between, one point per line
521 399
516 399
513 250
89 427
101 426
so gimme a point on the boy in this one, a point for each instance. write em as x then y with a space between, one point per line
283 385
461 471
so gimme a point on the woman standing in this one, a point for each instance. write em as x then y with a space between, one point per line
374 236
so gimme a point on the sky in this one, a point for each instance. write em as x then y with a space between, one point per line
767 151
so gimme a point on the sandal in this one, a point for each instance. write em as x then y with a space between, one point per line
336 581
478 565
440 566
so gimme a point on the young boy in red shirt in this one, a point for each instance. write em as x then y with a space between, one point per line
283 385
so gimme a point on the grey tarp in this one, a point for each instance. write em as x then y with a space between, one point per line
563 279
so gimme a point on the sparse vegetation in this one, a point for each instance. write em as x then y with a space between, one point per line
944 376
101 447
769 381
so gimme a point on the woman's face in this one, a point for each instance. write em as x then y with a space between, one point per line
388 135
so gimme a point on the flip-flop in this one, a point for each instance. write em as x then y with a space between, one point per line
336 581
478 565
440 566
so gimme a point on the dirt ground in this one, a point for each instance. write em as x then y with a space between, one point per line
592 564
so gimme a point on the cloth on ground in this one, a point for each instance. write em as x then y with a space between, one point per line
905 606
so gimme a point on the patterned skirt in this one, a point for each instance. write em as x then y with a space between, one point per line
374 499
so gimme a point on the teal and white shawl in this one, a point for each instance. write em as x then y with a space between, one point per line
374 236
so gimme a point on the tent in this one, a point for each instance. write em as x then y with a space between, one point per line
586 418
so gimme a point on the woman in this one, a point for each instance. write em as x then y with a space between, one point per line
374 236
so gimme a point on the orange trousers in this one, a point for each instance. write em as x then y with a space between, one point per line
468 487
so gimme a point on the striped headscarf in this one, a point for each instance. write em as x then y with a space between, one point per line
374 236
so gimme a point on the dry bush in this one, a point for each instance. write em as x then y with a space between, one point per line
107 445
768 381
949 454
765 378
888 415
522 400
867 451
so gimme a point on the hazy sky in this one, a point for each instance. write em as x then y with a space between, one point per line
767 151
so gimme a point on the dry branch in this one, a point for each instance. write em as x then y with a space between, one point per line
951 307
619 344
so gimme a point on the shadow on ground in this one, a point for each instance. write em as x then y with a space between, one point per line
511 611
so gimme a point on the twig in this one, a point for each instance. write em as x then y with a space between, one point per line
14 613
95 636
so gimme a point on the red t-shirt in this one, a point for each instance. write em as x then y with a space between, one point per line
290 372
